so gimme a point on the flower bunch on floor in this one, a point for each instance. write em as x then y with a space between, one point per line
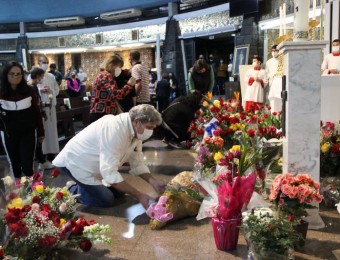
330 149
292 195
40 220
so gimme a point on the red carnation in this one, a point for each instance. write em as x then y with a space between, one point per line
47 241
18 229
36 199
85 245
59 195
55 172
251 132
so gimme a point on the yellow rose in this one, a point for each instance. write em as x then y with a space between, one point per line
235 148
64 191
218 156
39 188
325 147
217 103
62 222
233 127
205 104
15 203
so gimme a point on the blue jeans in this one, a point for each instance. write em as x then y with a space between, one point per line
92 195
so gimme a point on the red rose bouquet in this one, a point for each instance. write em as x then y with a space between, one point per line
40 220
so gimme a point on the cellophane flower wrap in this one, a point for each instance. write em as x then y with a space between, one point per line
292 195
39 221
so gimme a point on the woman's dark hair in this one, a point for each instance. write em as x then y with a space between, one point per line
5 87
201 64
193 100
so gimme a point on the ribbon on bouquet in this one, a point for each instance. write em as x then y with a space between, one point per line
211 126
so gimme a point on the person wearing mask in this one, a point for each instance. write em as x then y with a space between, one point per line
222 71
331 63
213 66
58 76
105 92
73 85
274 83
82 76
163 92
256 80
177 118
92 157
49 89
21 120
141 74
175 93
201 77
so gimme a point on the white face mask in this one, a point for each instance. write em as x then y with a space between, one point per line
118 71
335 48
275 54
221 61
44 66
147 133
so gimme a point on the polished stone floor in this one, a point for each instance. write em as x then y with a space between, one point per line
132 238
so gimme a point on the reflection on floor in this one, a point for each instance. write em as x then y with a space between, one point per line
185 239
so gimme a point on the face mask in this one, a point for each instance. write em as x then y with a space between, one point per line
118 71
44 66
73 76
145 135
221 61
335 48
80 71
255 64
211 60
275 54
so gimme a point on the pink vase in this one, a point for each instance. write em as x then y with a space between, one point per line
226 232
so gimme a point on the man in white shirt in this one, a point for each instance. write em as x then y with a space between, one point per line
331 63
82 76
93 156
275 83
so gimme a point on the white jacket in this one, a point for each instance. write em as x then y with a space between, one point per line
94 155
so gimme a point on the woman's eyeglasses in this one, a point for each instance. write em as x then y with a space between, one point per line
12 74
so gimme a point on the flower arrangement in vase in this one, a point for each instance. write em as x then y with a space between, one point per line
40 221
292 195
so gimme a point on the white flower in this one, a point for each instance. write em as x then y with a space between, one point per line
50 96
62 207
8 181
338 207
35 206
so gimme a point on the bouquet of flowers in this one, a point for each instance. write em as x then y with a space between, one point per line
40 220
268 237
182 198
292 195
330 149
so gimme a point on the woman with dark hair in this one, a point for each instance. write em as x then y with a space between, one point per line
21 120
177 118
201 77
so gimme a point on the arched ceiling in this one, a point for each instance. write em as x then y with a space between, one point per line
12 11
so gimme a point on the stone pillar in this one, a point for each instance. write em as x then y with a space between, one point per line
301 144
21 54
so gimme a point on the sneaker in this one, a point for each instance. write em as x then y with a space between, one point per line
175 144
46 166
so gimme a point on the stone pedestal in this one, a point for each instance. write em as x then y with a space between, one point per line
301 145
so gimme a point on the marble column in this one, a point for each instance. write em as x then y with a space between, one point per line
301 145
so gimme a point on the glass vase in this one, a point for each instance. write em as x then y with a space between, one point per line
226 232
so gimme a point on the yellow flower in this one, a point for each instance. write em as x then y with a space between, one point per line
64 191
205 104
209 95
15 203
236 161
325 147
233 127
218 156
62 222
235 148
217 103
39 188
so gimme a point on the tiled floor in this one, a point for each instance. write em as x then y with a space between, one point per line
132 238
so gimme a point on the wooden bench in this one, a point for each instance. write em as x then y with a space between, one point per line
66 116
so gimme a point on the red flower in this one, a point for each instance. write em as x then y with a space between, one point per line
46 207
13 215
47 241
251 132
55 172
2 253
36 199
85 245
291 218
18 229
59 195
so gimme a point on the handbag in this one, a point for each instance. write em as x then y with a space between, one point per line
120 109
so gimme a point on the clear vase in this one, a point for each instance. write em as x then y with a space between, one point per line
226 232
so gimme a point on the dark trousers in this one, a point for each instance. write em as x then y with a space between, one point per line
20 149
163 103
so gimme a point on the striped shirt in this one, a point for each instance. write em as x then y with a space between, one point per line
140 72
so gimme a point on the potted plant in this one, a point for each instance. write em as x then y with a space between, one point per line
268 237
292 195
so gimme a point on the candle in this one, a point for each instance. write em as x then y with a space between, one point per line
301 9
284 19
314 9
280 21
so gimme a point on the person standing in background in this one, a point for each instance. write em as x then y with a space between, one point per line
57 75
213 66
73 85
331 63
221 76
21 120
163 92
201 77
49 89
141 74
82 76
175 93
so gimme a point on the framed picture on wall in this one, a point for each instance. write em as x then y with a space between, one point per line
240 57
